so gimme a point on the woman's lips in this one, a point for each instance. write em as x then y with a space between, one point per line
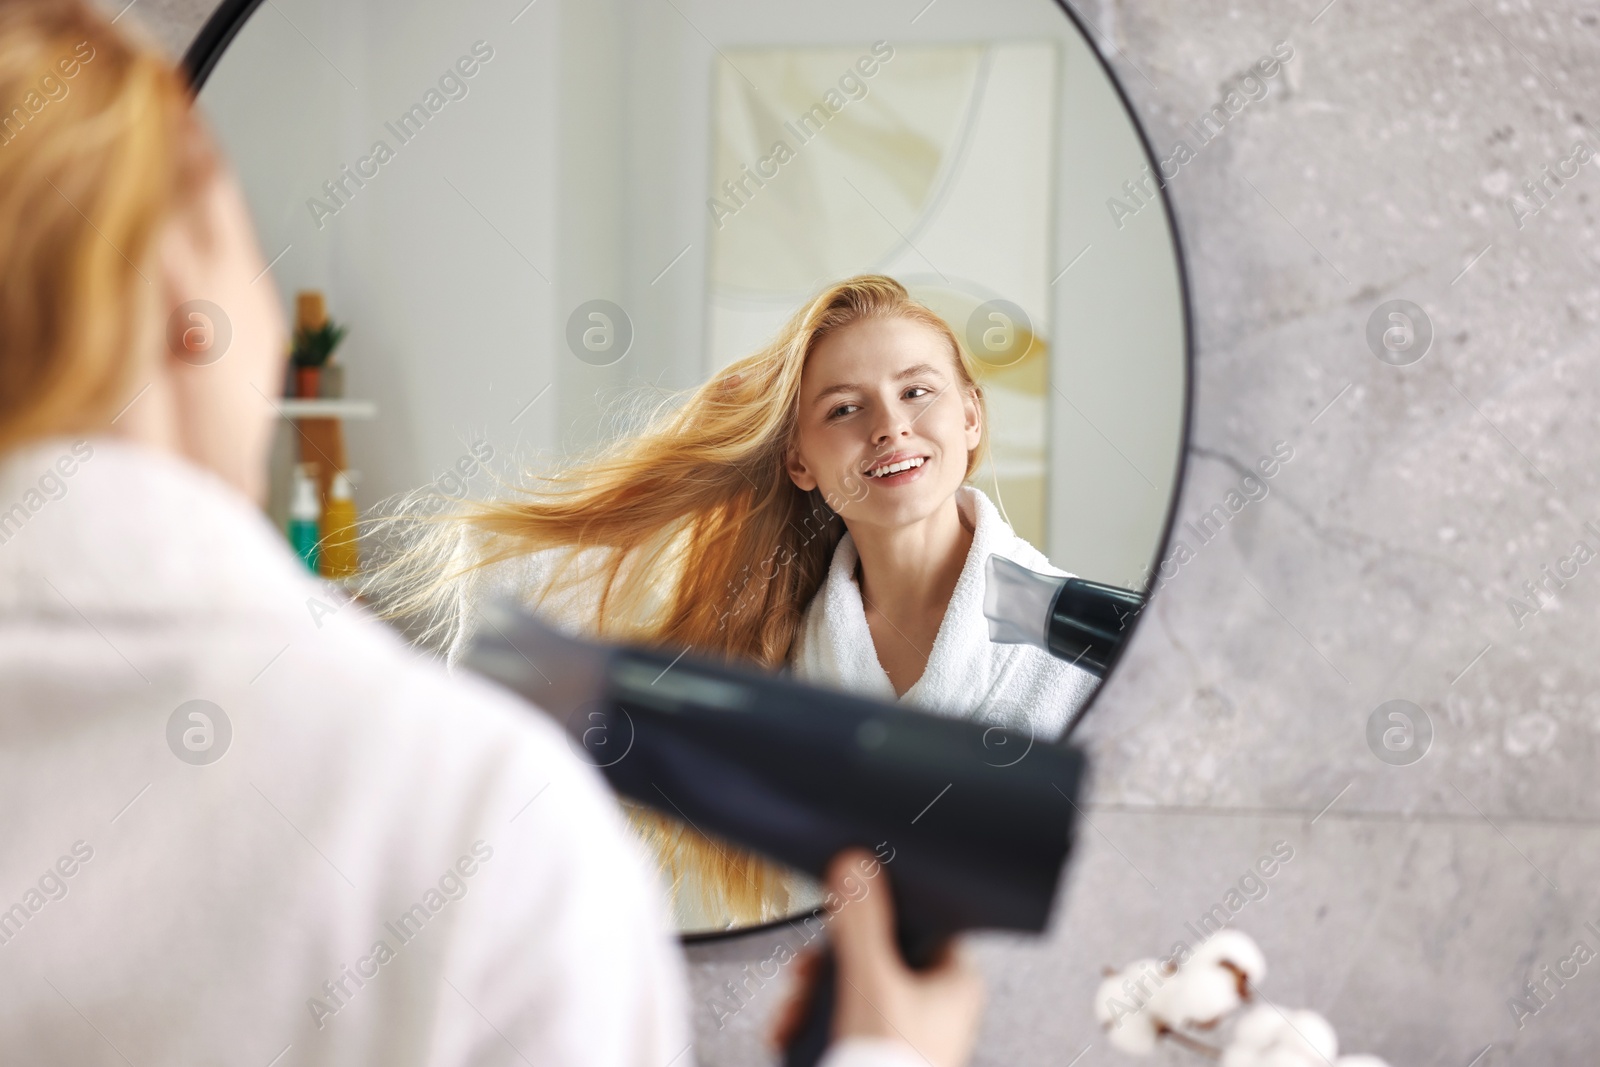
902 478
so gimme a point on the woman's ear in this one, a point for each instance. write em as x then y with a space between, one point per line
973 406
802 478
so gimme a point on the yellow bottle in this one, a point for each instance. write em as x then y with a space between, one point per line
339 558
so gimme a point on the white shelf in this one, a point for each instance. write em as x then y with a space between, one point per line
297 408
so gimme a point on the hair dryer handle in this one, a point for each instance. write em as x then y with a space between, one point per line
815 1028
811 1036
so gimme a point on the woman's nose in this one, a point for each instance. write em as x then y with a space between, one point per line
887 439
892 423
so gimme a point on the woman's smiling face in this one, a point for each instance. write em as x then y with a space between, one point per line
883 393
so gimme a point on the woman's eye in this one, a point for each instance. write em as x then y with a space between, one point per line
836 412
918 389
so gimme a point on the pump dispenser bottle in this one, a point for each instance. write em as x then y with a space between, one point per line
304 513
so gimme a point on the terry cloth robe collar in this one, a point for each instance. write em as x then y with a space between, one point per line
968 675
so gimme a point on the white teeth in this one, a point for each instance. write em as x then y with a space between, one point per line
895 468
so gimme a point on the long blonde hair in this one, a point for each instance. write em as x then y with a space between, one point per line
694 536
99 145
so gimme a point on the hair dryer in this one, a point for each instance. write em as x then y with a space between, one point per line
979 818
1075 620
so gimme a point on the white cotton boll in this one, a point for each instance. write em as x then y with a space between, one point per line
1257 1028
1239 1056
1196 996
1234 947
1127 1023
1134 1033
1120 1006
1120 992
1234 1056
1287 1057
1109 989
1314 1033
1267 1038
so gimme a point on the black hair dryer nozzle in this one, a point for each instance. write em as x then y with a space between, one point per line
1079 621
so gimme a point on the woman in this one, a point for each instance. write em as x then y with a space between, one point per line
244 819
805 509
891 424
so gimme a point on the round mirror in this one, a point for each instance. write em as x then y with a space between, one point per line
505 229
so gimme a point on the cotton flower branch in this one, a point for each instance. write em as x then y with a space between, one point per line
1150 1000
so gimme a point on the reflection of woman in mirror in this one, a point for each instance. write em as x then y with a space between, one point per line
890 424
805 509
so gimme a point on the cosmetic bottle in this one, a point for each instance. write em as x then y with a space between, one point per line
339 558
304 511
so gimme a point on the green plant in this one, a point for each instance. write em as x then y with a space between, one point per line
313 347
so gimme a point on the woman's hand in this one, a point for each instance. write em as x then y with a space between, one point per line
936 1011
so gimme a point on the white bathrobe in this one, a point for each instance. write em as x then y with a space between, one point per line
968 675
157 908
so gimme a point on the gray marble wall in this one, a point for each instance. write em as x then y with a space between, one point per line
1418 501
1383 564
